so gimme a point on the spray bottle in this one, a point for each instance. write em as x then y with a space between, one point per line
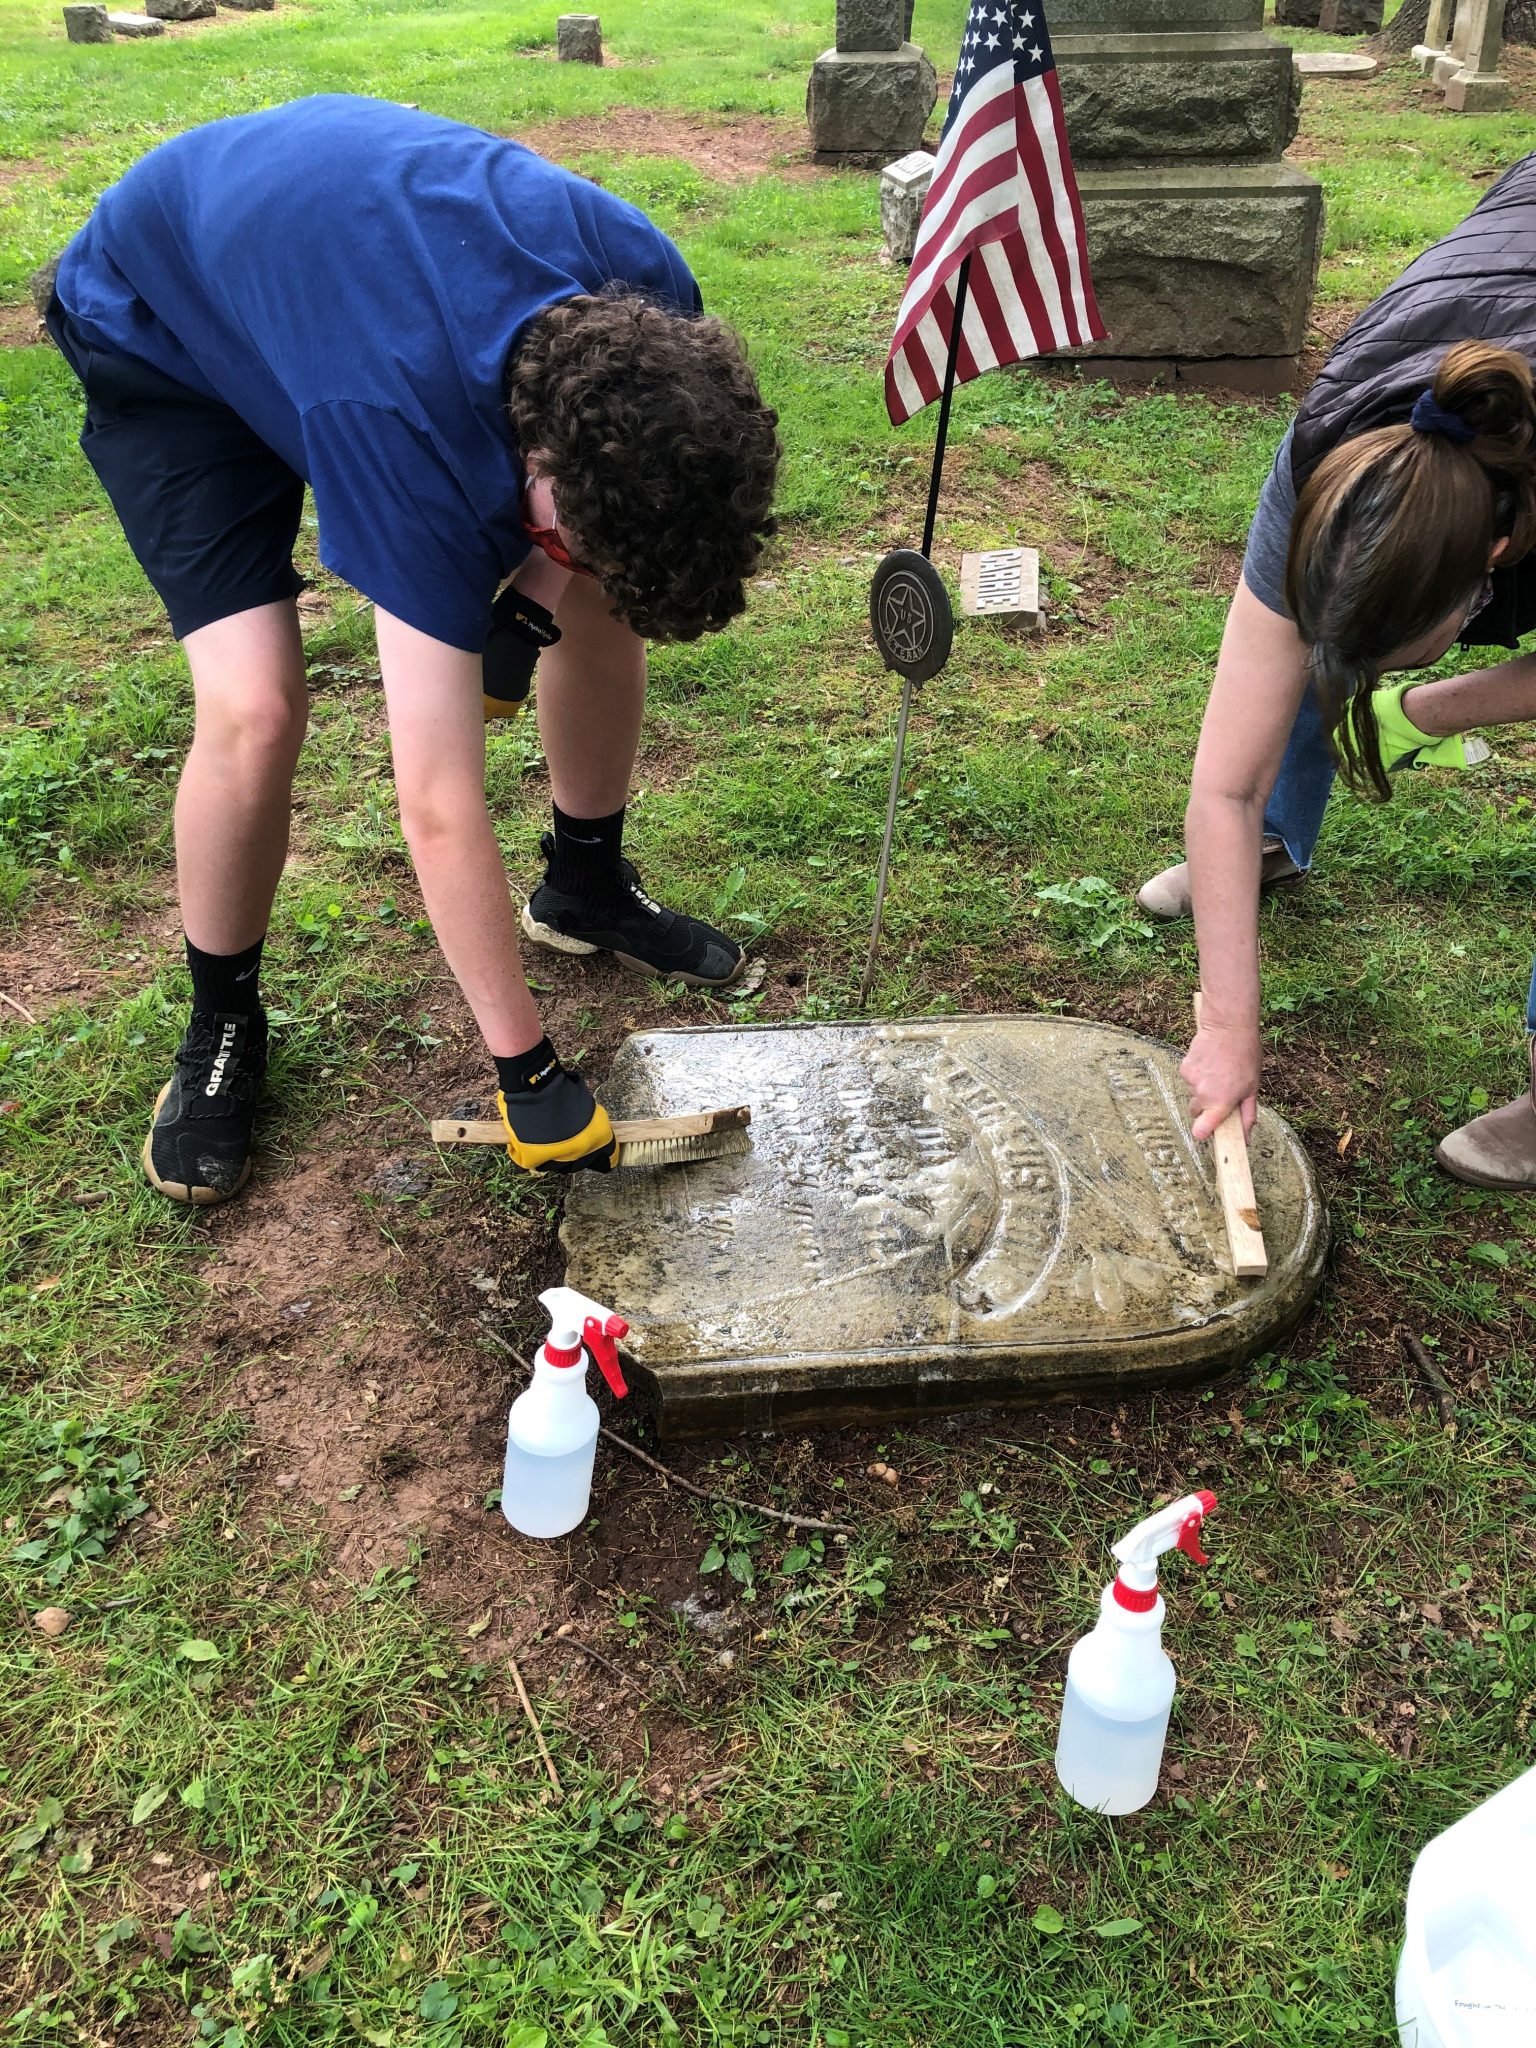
1114 1717
552 1430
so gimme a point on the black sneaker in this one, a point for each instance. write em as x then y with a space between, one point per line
199 1146
635 930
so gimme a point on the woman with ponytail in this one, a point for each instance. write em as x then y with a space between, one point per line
1399 520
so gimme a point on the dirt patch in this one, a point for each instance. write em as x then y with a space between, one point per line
58 956
726 150
20 327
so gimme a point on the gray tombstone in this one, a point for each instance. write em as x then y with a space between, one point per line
1477 86
1437 36
180 10
579 39
869 98
131 25
40 283
933 1215
85 22
1350 17
1203 243
903 189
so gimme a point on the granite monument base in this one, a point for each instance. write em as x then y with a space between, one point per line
934 1215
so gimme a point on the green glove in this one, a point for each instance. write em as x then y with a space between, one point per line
1404 746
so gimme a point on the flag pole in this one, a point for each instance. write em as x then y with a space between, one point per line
962 287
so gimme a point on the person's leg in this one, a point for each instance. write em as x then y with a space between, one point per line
1293 817
234 797
591 699
232 815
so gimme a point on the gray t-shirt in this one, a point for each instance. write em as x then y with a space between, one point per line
1269 537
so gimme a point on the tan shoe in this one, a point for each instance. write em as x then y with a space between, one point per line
1498 1148
1167 895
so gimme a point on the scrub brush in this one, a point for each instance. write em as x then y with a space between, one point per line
643 1141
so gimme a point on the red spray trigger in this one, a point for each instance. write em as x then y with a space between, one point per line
1189 1529
600 1340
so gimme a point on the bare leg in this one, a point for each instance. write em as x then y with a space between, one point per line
233 801
1503 695
591 699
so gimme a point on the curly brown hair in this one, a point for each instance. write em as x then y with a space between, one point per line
660 451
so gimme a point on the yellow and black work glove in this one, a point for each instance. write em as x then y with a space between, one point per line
520 631
553 1125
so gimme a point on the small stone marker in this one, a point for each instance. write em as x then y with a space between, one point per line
579 39
85 22
1437 35
1334 64
903 190
1002 584
933 1215
135 25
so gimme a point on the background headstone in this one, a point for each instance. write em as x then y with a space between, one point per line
1350 17
1297 13
869 101
1477 88
579 39
251 6
1203 243
1437 36
85 22
180 10
40 283
135 25
903 189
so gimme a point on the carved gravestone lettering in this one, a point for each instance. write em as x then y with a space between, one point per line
933 1214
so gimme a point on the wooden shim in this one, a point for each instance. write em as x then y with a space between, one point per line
1234 1183
635 1130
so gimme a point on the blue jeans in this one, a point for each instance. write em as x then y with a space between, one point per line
1294 813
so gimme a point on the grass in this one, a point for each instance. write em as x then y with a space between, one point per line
258 1794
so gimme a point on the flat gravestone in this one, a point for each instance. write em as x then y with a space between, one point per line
933 1215
1334 64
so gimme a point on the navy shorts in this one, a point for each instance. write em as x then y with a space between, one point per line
211 513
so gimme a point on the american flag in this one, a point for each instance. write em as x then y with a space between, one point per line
1003 193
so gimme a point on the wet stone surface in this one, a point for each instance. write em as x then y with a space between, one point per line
933 1215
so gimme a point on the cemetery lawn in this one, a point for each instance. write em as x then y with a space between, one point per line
272 1785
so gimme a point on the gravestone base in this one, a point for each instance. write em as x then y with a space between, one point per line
1477 92
1201 260
867 106
933 1215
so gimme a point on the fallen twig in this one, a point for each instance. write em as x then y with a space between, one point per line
729 1500
20 1008
1433 1378
586 1649
538 1732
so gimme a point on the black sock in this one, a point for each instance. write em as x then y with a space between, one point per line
226 982
587 852
515 1075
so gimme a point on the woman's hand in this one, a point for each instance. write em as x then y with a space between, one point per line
1222 1070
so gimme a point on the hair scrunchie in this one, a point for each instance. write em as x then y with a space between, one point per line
1429 418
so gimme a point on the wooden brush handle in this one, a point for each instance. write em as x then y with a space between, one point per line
701 1124
1234 1183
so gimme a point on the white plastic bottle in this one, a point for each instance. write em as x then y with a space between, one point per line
546 1485
1467 1975
1114 1716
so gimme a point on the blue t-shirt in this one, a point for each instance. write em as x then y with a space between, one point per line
1269 537
350 277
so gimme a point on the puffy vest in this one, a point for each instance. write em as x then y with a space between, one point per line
1478 284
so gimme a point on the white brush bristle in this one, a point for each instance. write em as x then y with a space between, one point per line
685 1151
